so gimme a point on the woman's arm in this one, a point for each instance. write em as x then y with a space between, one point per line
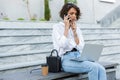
59 39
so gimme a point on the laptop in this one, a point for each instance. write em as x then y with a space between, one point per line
90 52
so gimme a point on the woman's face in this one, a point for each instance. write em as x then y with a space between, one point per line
72 14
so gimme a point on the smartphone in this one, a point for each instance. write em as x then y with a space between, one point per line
68 17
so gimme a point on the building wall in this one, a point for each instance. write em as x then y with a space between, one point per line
15 9
92 10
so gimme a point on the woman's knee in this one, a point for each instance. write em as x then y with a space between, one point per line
102 68
93 67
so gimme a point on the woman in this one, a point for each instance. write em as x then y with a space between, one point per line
68 40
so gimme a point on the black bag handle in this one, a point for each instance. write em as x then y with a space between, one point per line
54 50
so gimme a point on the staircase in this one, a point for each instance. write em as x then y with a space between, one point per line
112 16
25 44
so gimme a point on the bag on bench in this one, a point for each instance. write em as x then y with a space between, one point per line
54 62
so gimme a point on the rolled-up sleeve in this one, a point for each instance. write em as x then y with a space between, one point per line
59 40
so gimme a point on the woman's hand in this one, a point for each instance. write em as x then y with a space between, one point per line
67 24
73 26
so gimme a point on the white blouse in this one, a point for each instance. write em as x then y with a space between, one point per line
62 43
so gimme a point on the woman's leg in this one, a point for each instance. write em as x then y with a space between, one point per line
93 69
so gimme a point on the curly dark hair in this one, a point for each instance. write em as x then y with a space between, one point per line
66 7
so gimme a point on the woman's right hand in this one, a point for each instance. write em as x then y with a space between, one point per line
67 25
67 22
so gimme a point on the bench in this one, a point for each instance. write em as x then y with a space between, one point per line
109 66
22 45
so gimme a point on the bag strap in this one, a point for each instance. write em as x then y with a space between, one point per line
54 50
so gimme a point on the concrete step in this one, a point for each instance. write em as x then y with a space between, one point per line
24 44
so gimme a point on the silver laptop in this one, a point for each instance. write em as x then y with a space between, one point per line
90 52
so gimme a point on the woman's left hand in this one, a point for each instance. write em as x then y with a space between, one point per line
73 26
